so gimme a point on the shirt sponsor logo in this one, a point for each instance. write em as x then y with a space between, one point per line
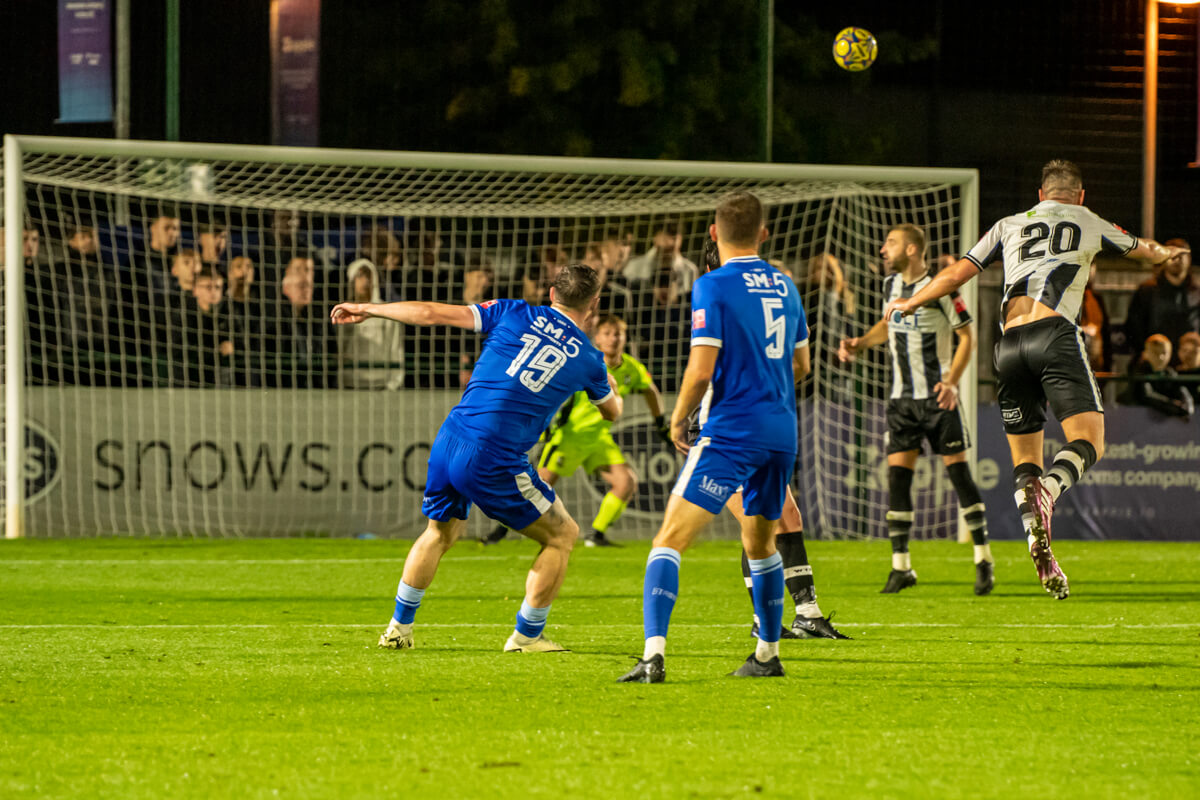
713 489
698 319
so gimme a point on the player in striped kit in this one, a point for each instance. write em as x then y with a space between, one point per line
924 402
1047 252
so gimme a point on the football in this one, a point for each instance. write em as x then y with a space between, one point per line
854 49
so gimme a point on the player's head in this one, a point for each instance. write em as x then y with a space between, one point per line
740 221
1178 266
1061 181
576 286
610 335
1189 350
1157 352
904 246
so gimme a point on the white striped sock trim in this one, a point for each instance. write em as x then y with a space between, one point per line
689 466
977 508
764 565
795 572
900 516
669 553
1074 459
532 493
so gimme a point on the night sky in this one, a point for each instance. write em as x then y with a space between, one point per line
1001 87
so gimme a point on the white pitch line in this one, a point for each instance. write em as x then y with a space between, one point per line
321 625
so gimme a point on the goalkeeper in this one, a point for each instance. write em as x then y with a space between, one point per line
583 437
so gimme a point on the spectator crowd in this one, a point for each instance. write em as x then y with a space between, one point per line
215 305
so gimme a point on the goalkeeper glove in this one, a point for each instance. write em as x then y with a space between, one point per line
664 430
712 259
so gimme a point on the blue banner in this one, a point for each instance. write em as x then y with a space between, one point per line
295 72
84 61
1147 485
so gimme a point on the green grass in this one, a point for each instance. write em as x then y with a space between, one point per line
249 669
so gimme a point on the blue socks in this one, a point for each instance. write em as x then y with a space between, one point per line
408 600
661 590
531 621
766 579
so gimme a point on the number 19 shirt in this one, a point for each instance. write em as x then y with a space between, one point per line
751 311
534 358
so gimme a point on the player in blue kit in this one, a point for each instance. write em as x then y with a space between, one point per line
534 358
747 328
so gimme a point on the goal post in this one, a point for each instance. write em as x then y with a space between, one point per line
134 405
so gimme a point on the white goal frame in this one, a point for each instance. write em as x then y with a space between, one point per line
18 148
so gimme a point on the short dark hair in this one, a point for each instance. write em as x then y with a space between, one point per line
739 219
1178 242
207 273
913 235
1061 175
575 285
614 320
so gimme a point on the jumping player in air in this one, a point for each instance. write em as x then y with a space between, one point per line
533 359
1040 357
583 436
924 402
748 339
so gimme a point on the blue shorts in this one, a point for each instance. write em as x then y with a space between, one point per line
505 487
712 473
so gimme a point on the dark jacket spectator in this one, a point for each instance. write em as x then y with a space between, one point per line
1168 303
1189 364
303 350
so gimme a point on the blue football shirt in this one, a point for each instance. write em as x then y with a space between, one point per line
533 359
751 311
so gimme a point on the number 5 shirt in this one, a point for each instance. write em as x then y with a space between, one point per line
533 359
1048 252
752 312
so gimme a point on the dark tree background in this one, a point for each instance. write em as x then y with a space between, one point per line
999 87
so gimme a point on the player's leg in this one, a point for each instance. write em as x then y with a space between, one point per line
608 460
556 532
764 493
900 519
948 438
1020 358
809 622
705 483
970 502
446 509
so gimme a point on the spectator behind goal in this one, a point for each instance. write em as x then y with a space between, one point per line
1152 382
369 352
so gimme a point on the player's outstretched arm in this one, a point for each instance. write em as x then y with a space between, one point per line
849 349
702 362
946 282
409 313
1151 253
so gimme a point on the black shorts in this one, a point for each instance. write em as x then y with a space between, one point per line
911 422
1039 362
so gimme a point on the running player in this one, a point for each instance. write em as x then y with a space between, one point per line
1040 356
748 335
809 622
583 437
924 402
533 359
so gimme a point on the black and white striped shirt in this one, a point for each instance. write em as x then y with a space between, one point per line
920 344
1048 252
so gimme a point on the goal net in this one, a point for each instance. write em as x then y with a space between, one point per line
176 373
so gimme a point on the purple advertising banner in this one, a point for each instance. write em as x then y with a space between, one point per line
84 61
1147 485
295 68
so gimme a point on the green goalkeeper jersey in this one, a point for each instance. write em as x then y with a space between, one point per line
584 419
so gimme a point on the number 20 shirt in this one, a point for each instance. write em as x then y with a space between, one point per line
533 359
751 311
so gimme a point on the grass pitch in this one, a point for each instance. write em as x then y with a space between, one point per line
249 669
